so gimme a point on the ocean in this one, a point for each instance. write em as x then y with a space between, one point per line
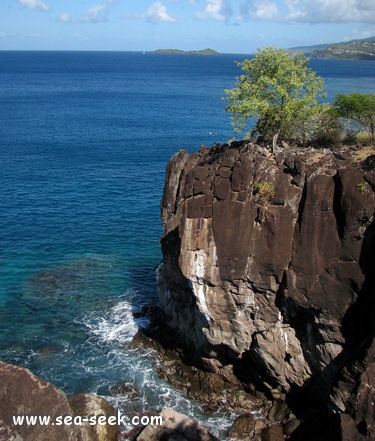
84 141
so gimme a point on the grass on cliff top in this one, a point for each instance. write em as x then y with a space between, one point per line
359 145
363 153
365 146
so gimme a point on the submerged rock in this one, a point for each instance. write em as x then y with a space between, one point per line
125 389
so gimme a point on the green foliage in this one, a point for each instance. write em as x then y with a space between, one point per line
351 137
279 89
357 110
265 191
364 138
361 187
329 129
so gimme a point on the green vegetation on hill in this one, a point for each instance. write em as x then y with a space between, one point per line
181 52
351 50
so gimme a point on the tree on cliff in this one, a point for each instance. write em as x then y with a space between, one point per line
357 108
280 90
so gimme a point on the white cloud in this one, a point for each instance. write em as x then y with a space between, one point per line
310 11
216 10
331 11
97 13
296 11
65 18
361 33
34 4
261 9
156 13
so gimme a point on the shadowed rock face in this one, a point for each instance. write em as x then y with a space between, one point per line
268 264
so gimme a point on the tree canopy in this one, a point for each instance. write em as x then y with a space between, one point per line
358 108
281 91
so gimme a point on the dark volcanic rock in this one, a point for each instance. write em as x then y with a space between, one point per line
268 267
369 163
242 428
213 390
273 433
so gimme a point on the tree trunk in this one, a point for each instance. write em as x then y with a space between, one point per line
274 142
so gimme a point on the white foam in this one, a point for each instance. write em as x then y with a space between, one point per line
117 325
114 331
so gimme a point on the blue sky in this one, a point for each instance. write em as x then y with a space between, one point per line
229 26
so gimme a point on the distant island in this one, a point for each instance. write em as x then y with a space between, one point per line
181 52
363 49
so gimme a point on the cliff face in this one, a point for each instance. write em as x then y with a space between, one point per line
268 265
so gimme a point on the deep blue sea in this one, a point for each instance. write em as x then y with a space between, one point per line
84 141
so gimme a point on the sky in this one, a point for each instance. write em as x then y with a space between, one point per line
228 26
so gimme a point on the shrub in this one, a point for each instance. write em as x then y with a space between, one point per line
265 191
328 131
361 187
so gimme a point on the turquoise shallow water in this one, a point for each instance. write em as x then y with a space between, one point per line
85 139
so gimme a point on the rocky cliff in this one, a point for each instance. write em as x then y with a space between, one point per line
268 272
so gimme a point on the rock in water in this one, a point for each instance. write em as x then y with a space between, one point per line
268 266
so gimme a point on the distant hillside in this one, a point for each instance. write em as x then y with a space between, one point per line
308 49
352 50
181 52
